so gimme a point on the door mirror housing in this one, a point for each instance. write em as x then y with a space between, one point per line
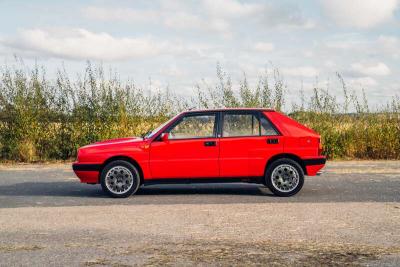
164 137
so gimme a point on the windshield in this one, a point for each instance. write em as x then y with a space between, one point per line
153 132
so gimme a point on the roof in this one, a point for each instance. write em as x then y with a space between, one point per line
228 109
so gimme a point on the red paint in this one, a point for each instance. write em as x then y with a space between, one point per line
163 158
246 156
90 177
183 159
313 169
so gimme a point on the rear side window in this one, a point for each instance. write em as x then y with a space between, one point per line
246 125
267 128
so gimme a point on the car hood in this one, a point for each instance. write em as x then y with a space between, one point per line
116 141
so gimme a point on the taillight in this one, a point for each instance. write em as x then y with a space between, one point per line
320 148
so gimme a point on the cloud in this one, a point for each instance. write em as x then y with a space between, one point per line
172 70
363 82
263 47
178 18
390 45
377 69
184 21
218 16
266 14
120 14
303 71
359 13
357 44
231 8
84 44
285 16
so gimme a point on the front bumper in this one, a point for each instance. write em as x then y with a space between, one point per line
87 173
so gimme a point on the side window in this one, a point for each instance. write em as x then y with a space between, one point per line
240 125
266 127
196 126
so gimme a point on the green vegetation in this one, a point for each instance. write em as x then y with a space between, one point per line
43 119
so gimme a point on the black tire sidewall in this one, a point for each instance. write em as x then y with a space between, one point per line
135 173
268 177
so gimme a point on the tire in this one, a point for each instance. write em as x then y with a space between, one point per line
120 179
284 177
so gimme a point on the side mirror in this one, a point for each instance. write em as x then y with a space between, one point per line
164 137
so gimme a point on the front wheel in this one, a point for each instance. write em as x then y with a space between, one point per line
120 179
284 177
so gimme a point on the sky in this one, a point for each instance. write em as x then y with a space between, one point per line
178 43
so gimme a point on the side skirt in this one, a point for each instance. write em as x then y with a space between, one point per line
207 180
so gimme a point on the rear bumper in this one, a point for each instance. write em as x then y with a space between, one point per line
315 161
314 165
87 173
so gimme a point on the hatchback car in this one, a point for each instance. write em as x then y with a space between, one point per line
222 145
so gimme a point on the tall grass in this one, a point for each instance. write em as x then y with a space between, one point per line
43 119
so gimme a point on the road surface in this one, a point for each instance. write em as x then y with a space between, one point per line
348 215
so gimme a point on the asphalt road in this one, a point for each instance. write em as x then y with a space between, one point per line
56 185
350 215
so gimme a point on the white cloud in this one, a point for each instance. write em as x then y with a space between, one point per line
390 45
359 13
172 70
363 82
263 47
267 15
390 41
84 44
178 18
183 21
209 15
304 71
231 8
286 16
330 64
345 44
120 14
377 69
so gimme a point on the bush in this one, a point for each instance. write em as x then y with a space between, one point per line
48 120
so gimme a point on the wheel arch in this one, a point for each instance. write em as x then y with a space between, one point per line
288 156
126 158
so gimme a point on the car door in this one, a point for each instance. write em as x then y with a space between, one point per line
248 140
191 150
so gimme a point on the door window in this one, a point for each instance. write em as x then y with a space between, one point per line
240 125
246 125
194 126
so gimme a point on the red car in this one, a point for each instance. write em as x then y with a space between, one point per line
221 145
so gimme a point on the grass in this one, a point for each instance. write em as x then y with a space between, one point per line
15 248
42 119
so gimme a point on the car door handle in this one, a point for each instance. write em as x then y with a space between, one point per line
210 143
272 141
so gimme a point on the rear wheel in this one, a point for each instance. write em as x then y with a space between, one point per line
284 177
120 179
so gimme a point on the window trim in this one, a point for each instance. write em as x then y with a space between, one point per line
193 114
257 114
